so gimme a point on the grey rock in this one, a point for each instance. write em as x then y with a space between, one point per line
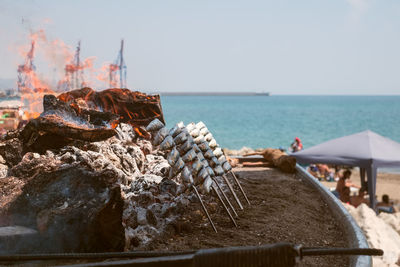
141 216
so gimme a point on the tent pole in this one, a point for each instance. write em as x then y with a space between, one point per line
371 176
362 177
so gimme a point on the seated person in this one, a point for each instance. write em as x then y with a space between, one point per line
313 170
359 199
385 205
343 186
321 171
326 172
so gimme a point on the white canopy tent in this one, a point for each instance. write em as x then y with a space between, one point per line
367 150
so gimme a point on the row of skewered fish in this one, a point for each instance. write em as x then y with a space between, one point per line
194 154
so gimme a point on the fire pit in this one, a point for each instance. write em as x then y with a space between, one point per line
87 179
92 174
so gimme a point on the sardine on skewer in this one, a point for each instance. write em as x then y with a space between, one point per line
172 156
160 136
189 156
208 137
180 138
204 131
167 144
204 146
154 125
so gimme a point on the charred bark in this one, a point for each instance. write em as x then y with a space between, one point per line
135 108
59 125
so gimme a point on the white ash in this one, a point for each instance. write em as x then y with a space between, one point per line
3 168
151 200
157 165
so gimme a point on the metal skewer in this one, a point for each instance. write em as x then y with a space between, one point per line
226 198
233 192
204 208
223 203
238 183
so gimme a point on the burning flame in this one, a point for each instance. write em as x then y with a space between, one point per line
61 57
108 74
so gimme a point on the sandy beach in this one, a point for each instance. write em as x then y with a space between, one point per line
386 183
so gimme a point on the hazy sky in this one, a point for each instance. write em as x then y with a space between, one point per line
284 47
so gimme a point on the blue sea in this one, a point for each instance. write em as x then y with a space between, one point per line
274 121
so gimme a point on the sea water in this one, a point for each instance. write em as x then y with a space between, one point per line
274 121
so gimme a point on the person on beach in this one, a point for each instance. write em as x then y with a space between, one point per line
313 170
326 172
359 199
343 187
385 205
321 171
296 145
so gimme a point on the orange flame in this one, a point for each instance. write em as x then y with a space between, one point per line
59 56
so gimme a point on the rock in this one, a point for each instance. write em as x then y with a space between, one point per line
3 171
168 186
90 222
144 234
131 240
156 208
145 198
151 219
11 151
141 216
129 217
168 209
31 165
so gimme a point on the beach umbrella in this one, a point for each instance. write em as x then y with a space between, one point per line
367 150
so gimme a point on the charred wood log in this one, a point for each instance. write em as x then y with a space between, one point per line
135 108
59 125
73 209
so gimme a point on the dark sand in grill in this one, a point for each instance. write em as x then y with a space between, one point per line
284 209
